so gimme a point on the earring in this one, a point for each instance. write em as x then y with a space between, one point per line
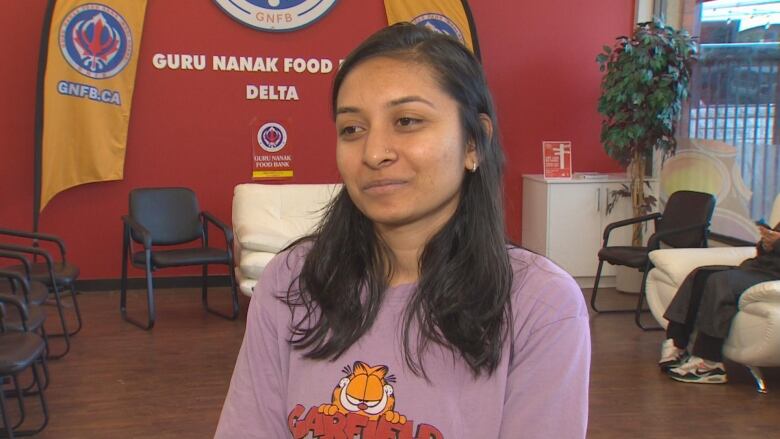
474 167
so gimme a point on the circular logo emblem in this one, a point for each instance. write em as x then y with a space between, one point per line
441 24
276 15
272 137
96 41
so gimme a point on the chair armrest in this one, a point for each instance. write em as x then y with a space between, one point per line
654 242
13 300
31 250
21 258
225 229
35 235
7 299
730 240
625 222
16 302
765 292
677 263
139 229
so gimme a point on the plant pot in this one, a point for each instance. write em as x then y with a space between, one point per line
628 280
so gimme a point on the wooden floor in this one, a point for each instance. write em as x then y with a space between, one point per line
122 382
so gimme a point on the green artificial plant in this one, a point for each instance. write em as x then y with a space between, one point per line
642 94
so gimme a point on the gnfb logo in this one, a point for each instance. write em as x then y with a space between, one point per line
441 24
276 15
96 41
272 137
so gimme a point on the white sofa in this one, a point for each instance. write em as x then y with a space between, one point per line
268 217
754 338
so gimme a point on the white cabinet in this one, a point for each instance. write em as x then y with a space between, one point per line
565 220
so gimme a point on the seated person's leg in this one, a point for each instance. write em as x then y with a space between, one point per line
681 314
717 309
720 300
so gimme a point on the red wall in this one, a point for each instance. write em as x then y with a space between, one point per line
192 128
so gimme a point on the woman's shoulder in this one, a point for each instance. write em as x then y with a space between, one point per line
543 288
280 273
288 262
527 263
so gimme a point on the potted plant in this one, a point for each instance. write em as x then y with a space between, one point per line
642 94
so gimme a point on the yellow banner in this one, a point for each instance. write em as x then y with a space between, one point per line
445 16
92 57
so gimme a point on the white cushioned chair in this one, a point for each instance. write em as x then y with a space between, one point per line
754 338
268 217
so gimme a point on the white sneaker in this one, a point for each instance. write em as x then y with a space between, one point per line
671 355
699 370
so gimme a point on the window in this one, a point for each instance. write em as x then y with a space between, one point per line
734 92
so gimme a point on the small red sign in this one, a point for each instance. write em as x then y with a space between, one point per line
557 159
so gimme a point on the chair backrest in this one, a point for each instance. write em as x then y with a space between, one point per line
686 208
171 215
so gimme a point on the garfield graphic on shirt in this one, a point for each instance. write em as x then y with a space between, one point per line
362 406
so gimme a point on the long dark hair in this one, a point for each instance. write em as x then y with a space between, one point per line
462 298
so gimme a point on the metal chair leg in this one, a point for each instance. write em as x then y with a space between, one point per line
204 288
65 334
595 293
6 423
30 389
149 295
596 286
759 377
233 298
44 409
34 386
123 279
640 303
19 395
75 309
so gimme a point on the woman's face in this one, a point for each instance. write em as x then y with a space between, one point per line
401 149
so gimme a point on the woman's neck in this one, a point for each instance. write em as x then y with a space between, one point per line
405 266
406 244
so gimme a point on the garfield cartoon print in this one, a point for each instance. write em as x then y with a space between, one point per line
362 406
365 390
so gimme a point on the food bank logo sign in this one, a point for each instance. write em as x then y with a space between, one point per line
96 41
272 137
276 15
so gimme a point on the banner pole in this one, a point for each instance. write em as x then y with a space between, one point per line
472 29
38 148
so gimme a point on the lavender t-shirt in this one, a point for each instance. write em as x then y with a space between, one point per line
539 390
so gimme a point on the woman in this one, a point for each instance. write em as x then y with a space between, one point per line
707 302
406 314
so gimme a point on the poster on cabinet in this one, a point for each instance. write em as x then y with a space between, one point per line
557 159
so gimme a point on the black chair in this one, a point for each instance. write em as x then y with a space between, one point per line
36 292
20 351
21 289
14 321
56 274
170 216
684 223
